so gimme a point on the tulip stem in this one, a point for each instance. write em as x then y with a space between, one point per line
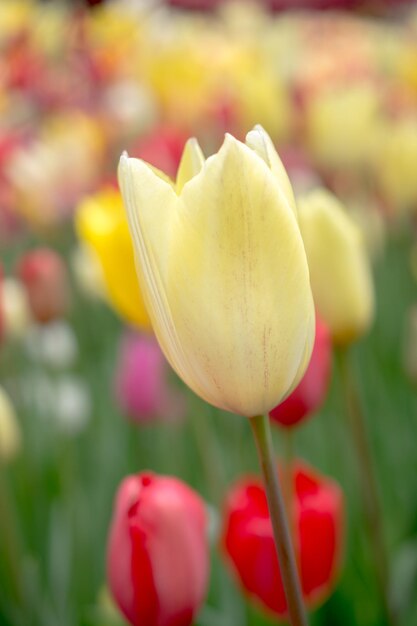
287 474
371 504
285 551
9 540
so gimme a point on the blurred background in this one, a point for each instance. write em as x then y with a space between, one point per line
86 396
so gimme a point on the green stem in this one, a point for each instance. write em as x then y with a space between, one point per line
287 477
286 557
371 505
9 540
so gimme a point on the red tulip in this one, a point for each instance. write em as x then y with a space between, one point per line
311 392
157 560
318 530
44 275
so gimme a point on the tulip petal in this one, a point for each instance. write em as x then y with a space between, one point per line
152 214
192 161
261 143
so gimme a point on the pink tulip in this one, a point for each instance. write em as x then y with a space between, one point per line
142 388
157 559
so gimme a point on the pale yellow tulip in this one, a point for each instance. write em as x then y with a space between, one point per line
339 267
224 273
10 438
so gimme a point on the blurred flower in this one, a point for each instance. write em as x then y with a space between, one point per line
88 272
15 308
410 344
157 560
141 381
162 148
102 225
342 125
72 404
64 401
369 218
395 157
51 173
223 268
318 527
44 275
10 438
54 345
340 272
311 392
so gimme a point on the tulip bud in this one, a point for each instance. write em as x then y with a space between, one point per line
141 381
10 439
15 308
102 225
318 527
311 392
342 125
44 275
223 270
157 560
340 271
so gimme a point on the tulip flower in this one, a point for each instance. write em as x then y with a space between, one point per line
342 125
223 270
157 560
10 438
318 527
339 267
142 388
311 392
101 224
15 308
44 275
394 163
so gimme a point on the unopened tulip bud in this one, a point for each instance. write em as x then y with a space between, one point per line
311 392
340 270
342 125
102 225
10 439
44 275
157 560
15 308
141 381
318 527
223 270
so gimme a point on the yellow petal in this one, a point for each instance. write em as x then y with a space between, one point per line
225 275
192 161
340 270
261 143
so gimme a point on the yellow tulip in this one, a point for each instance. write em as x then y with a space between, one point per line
10 439
223 270
101 224
395 161
342 125
339 267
